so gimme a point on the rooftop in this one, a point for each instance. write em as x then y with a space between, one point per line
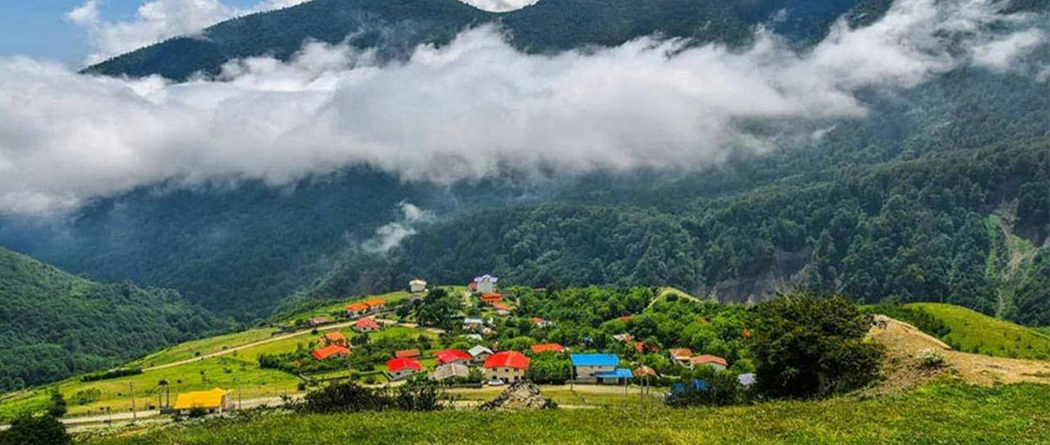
595 360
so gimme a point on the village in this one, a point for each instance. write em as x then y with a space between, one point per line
383 342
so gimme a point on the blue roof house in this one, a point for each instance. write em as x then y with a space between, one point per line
599 368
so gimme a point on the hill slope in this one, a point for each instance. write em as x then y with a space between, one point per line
395 27
56 325
969 331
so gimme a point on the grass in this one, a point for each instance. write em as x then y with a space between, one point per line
978 333
222 372
190 349
936 414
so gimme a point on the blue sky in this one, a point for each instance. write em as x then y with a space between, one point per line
39 29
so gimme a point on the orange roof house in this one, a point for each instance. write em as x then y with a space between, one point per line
375 303
333 338
548 347
645 371
330 351
408 353
680 353
356 308
709 360
492 298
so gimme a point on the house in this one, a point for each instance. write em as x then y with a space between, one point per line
501 309
590 366
472 323
485 284
508 366
407 353
375 305
642 348
416 286
319 321
332 338
366 325
618 376
453 356
214 401
548 347
625 337
450 371
479 353
354 310
472 287
403 367
541 323
328 352
681 356
716 362
491 298
645 372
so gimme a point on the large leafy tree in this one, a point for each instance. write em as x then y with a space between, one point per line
808 346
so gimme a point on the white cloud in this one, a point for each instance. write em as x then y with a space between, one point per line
469 110
1001 54
155 21
391 235
499 5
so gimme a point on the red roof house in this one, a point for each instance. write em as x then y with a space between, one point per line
403 366
366 325
548 347
507 359
453 355
330 351
492 298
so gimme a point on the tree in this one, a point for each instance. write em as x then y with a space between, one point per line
36 430
806 346
57 408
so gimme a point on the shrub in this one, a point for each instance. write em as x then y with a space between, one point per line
36 430
806 346
110 374
930 358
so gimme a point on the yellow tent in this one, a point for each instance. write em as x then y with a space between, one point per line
201 399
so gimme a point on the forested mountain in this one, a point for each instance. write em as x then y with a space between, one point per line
56 325
939 193
395 27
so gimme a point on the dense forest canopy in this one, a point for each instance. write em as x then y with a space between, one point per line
56 325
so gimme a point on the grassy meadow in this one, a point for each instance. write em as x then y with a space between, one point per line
978 333
934 414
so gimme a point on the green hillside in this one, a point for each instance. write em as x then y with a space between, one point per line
938 414
971 331
56 325
396 27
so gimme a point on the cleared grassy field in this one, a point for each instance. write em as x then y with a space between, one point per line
205 346
937 414
978 333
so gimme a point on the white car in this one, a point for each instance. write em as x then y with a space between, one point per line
495 382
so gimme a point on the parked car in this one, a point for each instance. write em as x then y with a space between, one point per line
495 382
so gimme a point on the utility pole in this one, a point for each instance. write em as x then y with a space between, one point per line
134 416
